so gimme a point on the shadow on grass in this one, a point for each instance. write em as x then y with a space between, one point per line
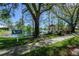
58 49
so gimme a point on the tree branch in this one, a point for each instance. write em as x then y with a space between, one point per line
61 18
46 9
29 8
34 7
77 18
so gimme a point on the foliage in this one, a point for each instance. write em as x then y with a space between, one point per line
4 14
68 13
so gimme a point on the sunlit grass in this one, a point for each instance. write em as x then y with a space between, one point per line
7 42
10 42
59 48
4 32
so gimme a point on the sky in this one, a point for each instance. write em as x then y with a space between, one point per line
28 19
17 14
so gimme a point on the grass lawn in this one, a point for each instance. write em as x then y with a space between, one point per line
7 42
4 32
10 42
57 49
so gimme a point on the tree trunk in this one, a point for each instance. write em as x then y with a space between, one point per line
72 29
36 28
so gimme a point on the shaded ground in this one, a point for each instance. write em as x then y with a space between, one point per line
66 47
20 50
75 52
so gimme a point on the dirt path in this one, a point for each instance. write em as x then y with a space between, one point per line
28 47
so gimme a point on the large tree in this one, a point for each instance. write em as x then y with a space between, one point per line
69 13
36 10
6 12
